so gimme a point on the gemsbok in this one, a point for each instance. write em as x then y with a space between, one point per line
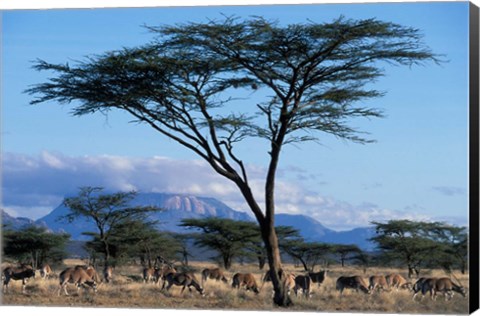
23 272
417 287
150 275
378 283
441 285
318 277
303 282
77 276
184 279
45 271
213 274
396 281
246 280
108 273
352 282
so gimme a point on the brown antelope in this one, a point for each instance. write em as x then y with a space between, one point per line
247 280
45 271
288 280
397 282
352 282
184 279
214 274
77 276
378 282
24 272
448 287
443 285
151 275
90 270
108 273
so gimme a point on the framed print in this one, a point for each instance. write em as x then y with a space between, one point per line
294 157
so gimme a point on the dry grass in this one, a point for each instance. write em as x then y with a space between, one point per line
128 290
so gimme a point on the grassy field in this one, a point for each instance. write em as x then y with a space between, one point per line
128 291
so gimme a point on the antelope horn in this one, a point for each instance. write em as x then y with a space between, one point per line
456 279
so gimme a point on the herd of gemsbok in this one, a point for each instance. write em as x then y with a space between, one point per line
85 276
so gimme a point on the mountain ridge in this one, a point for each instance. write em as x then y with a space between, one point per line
179 206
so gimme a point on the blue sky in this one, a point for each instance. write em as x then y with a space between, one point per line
417 169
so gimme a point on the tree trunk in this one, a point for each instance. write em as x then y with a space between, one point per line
269 236
261 261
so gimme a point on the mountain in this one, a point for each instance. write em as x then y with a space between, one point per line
312 230
176 207
15 223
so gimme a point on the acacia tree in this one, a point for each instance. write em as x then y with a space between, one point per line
108 212
347 252
417 243
35 245
227 237
308 253
314 75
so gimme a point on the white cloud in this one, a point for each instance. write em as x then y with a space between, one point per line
33 186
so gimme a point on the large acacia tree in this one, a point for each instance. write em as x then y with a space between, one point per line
316 78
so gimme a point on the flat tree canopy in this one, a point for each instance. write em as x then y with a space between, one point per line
316 77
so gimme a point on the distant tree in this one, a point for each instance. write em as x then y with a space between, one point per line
419 243
183 246
107 211
346 252
452 245
225 236
140 239
314 77
34 245
308 253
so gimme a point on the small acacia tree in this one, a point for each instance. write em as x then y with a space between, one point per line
34 245
227 237
108 212
417 244
314 75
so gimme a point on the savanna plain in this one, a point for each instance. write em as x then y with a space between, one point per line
127 290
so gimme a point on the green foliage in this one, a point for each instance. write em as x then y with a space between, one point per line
113 216
314 76
309 254
348 252
417 244
34 245
229 238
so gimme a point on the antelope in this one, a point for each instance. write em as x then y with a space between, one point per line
398 282
378 282
352 282
107 273
45 271
245 279
185 279
303 282
160 274
444 285
24 272
78 276
151 274
214 274
318 277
